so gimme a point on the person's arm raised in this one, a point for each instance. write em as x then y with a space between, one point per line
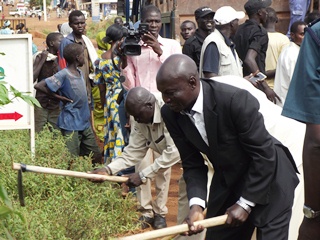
152 42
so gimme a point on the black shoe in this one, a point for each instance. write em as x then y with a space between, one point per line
159 222
145 222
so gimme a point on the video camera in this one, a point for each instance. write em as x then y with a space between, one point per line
130 45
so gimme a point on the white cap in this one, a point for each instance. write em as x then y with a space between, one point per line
7 23
227 14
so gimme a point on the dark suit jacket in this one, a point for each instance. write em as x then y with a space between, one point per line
248 161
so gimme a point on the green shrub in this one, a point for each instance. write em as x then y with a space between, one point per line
93 28
59 207
46 31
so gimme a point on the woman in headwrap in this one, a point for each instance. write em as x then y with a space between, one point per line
102 46
107 76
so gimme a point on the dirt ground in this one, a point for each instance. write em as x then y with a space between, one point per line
36 27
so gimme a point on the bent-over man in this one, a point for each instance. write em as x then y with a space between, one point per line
147 131
255 175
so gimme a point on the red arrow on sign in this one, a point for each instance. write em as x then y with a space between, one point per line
9 116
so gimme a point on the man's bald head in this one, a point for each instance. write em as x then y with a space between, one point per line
178 81
140 104
177 65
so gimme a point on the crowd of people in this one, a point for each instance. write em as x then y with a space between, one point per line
7 29
212 104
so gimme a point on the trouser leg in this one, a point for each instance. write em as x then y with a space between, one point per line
183 210
278 228
224 232
144 190
89 145
72 141
162 182
40 118
53 117
183 203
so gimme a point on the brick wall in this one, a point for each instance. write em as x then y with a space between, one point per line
185 10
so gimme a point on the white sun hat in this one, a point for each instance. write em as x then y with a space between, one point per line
7 23
226 14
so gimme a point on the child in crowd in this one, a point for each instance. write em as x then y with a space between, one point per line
74 118
19 28
45 65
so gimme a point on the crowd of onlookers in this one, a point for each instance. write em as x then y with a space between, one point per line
166 105
6 29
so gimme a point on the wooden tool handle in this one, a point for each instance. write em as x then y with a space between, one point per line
169 237
210 222
68 173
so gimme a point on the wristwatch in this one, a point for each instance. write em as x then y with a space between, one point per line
309 213
142 177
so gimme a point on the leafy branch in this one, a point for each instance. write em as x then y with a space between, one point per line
5 93
6 209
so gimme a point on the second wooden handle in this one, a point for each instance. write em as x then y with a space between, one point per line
68 173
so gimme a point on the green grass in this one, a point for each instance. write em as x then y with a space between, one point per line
46 31
59 207
92 28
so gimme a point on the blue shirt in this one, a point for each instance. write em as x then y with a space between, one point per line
6 31
74 116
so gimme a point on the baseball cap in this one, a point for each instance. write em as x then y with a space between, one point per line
203 11
7 23
227 14
252 6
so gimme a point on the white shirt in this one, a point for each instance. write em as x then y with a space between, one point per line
197 114
198 119
285 67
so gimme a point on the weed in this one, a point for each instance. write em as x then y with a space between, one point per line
94 28
46 31
59 207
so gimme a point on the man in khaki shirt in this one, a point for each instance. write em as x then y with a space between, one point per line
148 131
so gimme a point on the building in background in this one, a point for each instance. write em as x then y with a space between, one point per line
174 12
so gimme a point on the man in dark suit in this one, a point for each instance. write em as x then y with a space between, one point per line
254 174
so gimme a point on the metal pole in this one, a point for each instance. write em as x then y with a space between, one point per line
45 10
127 10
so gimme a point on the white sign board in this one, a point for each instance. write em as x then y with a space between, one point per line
17 65
95 10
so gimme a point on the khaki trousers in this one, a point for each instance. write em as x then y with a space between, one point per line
183 210
148 206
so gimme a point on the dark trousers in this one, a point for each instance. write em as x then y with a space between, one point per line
83 143
277 229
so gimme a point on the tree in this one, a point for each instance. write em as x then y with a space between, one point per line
34 3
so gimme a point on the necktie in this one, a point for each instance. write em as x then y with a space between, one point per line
199 123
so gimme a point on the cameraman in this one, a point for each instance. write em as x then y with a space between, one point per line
141 71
